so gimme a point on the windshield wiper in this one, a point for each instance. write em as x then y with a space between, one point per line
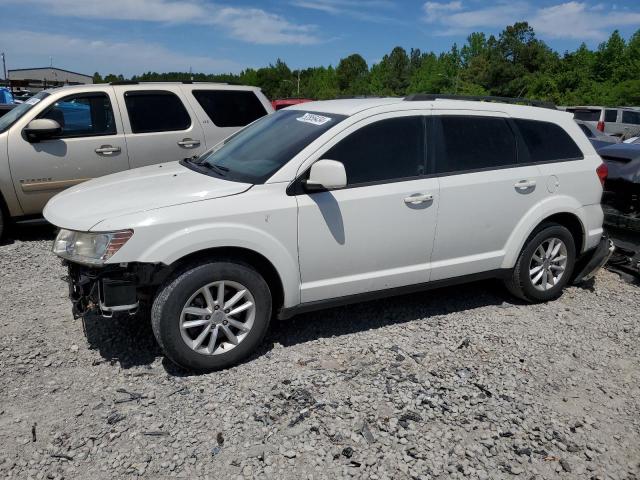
222 171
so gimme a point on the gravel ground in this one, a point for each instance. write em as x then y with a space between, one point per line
454 383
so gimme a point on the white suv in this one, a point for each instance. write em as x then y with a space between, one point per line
333 202
65 136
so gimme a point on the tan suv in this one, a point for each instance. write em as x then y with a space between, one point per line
64 136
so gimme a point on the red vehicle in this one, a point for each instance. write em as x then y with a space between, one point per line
287 102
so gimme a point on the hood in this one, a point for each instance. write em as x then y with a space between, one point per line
132 191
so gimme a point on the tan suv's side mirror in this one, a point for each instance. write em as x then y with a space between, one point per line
42 129
326 175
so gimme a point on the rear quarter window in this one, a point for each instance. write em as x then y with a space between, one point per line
546 142
230 108
631 117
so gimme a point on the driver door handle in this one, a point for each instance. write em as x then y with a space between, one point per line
418 198
189 143
107 150
525 184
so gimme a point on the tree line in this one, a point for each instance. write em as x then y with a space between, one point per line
514 64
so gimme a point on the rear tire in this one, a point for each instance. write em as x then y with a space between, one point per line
211 316
545 264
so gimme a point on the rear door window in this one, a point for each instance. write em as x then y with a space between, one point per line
610 115
473 143
230 108
83 115
383 151
631 117
156 111
546 142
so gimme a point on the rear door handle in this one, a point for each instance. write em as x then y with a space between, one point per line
525 184
107 150
189 143
418 198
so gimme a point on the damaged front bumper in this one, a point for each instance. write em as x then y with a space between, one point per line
105 290
594 260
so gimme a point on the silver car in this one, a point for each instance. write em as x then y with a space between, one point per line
616 121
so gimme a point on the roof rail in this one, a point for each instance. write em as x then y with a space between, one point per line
359 97
123 82
421 97
189 82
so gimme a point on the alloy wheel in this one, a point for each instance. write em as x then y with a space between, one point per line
217 317
548 264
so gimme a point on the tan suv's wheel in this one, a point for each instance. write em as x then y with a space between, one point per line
212 316
545 264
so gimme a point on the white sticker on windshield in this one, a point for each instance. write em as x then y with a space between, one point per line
313 119
32 101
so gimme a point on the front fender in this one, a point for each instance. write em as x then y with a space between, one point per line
263 219
167 249
536 215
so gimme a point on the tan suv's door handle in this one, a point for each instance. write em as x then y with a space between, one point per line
189 143
418 198
107 150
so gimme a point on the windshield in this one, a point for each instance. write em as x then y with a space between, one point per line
13 115
255 153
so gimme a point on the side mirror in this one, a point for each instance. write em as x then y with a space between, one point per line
42 129
326 175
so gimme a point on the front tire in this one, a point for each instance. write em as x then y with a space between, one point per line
545 264
211 316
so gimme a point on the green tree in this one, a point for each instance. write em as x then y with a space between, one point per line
352 73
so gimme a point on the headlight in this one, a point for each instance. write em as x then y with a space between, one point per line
88 247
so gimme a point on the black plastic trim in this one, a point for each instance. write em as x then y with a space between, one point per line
286 313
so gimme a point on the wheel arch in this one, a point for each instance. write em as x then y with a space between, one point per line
243 255
572 223
571 218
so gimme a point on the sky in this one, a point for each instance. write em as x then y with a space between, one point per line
135 36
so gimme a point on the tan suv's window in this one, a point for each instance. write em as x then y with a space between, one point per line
610 115
156 111
230 108
631 117
83 115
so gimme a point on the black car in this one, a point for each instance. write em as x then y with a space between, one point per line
622 187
